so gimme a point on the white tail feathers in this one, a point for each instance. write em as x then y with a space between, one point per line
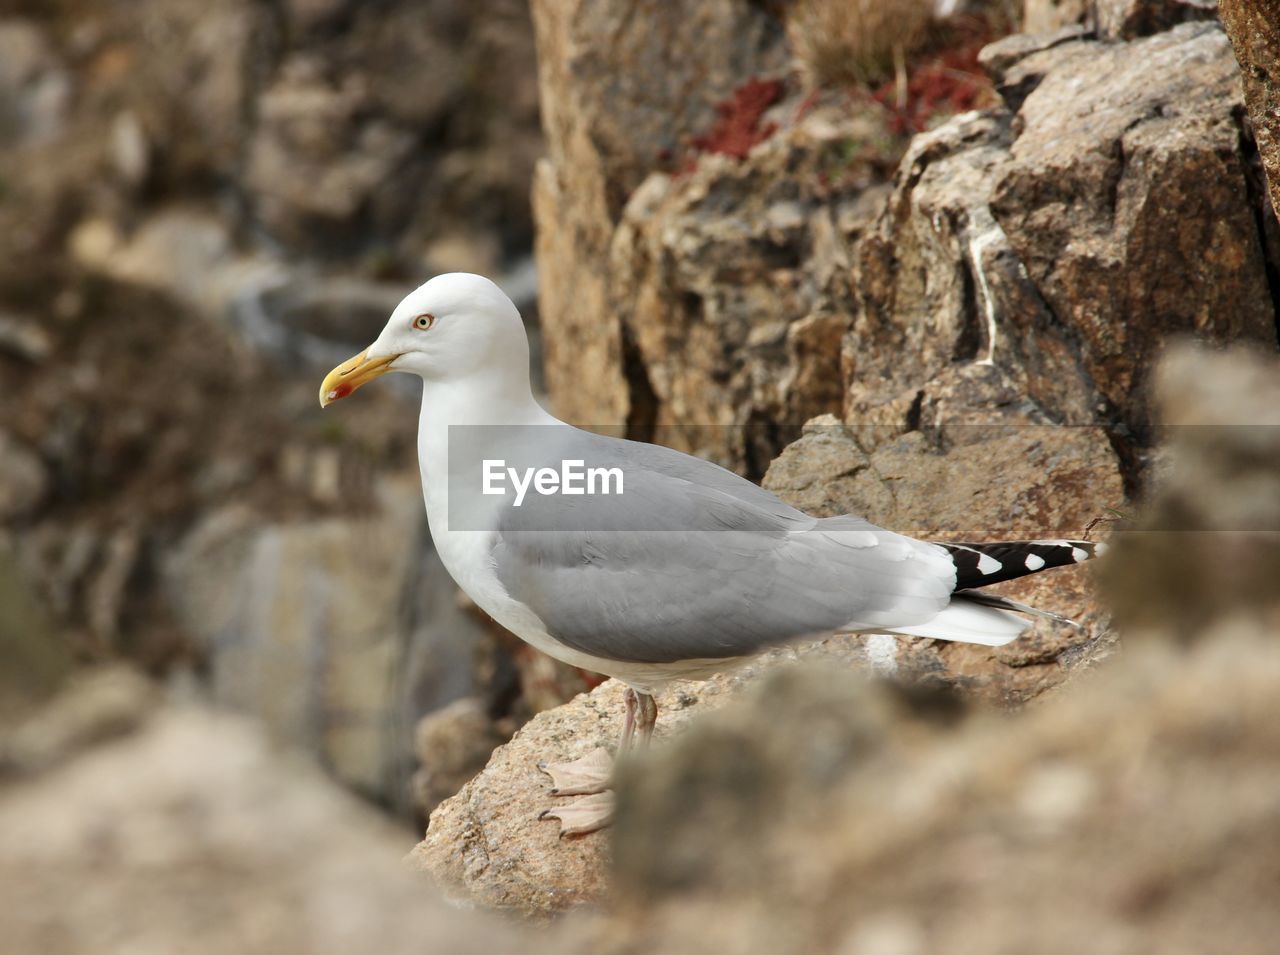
966 622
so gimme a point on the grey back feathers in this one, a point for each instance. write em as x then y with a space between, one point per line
694 562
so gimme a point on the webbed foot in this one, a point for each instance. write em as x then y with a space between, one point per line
584 815
582 777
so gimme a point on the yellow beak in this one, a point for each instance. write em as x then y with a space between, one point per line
351 374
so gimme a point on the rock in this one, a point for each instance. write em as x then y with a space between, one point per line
997 58
35 86
130 149
176 471
452 743
34 660
1065 244
24 339
184 253
1114 19
476 171
317 161
619 108
1255 36
189 71
202 838
573 305
107 588
463 252
1153 167
936 282
620 95
310 322
1158 176
1207 547
1052 483
339 634
1129 19
814 813
1035 239
1047 16
299 320
341 130
24 481
92 707
132 257
731 283
409 121
307 15
487 846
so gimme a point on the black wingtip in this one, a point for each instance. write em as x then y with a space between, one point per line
979 565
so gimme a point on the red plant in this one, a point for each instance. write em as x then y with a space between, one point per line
952 82
737 127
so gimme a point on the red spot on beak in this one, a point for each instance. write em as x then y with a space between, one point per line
341 391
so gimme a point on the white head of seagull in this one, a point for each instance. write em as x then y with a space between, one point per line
455 328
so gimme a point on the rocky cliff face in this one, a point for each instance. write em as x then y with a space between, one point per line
205 205
1064 242
1110 199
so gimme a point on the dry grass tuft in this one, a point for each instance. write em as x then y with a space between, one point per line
855 41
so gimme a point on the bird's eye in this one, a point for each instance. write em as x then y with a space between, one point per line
423 322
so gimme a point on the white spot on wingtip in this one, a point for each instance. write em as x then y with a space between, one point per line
1099 550
989 565
1079 554
1034 562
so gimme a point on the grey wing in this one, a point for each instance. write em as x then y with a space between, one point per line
708 566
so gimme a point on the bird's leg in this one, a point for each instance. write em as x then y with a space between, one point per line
630 699
589 776
648 717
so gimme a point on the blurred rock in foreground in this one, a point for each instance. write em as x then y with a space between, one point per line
1209 544
1138 811
181 830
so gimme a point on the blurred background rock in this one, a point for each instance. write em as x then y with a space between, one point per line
203 206
923 268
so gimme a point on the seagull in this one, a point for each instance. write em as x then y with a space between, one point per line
665 567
